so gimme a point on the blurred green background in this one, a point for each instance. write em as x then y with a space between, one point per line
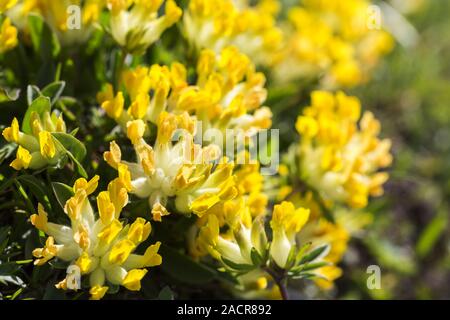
410 238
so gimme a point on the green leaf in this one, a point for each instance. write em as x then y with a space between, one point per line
33 92
51 293
237 266
8 268
54 90
78 165
62 192
166 294
36 188
40 105
256 257
433 231
4 233
183 268
44 40
309 267
71 144
314 254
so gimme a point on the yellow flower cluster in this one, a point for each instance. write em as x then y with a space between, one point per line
243 247
38 148
215 24
178 166
136 24
332 38
71 26
99 246
228 93
181 170
339 153
8 36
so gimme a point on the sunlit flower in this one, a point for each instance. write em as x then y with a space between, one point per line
136 24
227 95
340 154
39 147
180 170
101 246
215 24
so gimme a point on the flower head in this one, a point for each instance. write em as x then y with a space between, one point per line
39 147
180 170
101 246
215 24
8 36
71 20
136 24
341 154
228 94
331 38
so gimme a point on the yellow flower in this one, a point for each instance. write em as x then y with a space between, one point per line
97 292
286 222
70 27
23 159
181 170
331 41
133 279
114 106
215 24
341 154
37 149
136 24
7 4
47 146
8 36
228 94
102 248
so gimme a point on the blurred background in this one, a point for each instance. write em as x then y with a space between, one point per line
410 238
410 94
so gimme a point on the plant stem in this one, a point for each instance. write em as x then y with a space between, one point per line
280 281
120 63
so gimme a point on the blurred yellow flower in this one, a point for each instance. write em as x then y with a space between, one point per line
136 24
8 36
340 155
331 40
215 24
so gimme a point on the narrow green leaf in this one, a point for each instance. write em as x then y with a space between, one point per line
184 269
71 144
314 254
431 234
